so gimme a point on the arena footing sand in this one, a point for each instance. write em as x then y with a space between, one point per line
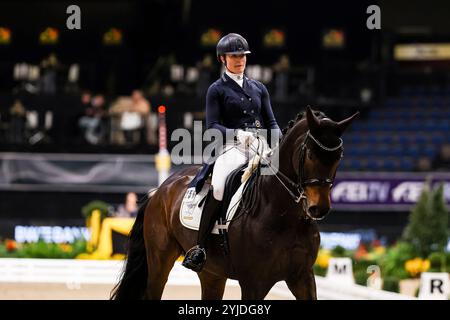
57 291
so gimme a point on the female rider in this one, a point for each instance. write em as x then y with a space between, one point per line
242 105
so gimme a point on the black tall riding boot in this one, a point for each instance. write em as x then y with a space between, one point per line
196 257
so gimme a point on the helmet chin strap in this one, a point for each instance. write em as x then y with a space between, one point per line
225 61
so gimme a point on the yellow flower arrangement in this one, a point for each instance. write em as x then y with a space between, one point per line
376 253
416 266
323 258
380 250
65 247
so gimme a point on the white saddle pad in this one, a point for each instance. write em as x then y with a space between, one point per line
190 212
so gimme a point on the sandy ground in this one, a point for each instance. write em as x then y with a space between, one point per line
52 291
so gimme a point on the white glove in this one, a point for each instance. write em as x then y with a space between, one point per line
245 137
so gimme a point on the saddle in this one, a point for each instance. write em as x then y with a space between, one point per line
193 201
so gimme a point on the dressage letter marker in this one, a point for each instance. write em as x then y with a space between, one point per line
340 270
434 286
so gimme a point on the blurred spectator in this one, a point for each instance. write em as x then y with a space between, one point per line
423 164
442 160
49 68
17 123
93 122
73 76
130 208
140 103
130 115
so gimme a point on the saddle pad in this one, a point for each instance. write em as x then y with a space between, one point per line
190 212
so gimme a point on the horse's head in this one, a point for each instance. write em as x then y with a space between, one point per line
315 160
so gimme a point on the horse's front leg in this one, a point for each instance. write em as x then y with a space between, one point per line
303 287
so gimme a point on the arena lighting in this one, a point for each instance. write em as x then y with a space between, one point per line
161 109
49 36
210 37
5 35
274 38
333 39
113 36
422 51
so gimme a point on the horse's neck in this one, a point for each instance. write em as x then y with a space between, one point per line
289 150
273 188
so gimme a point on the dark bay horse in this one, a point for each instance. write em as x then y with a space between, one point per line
275 239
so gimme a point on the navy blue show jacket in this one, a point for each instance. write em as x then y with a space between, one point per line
230 106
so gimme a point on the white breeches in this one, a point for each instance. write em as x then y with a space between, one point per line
231 158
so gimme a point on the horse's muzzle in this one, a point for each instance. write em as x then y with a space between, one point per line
318 212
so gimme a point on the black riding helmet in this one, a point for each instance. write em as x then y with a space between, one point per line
232 43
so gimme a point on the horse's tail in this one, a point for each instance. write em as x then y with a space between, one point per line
133 282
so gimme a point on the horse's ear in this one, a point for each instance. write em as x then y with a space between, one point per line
313 122
343 125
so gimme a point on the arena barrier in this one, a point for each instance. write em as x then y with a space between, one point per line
74 273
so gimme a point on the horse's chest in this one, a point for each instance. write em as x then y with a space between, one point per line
301 256
303 251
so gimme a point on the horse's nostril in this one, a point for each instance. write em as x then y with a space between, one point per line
318 211
313 210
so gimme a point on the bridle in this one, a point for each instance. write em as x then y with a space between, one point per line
297 189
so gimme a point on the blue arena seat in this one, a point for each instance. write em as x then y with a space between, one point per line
411 150
420 139
410 125
406 164
390 165
429 151
372 164
437 139
352 163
